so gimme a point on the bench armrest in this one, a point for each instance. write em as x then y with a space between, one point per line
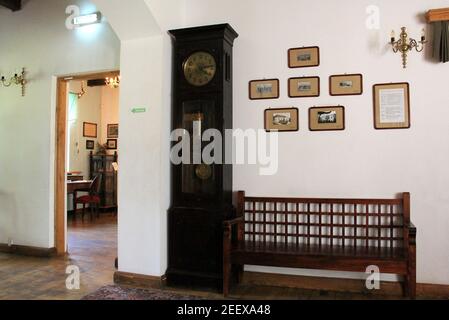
228 230
230 223
412 233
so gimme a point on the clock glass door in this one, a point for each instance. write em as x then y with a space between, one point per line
198 178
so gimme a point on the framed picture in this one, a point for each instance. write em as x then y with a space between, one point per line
90 144
391 105
304 87
304 57
346 84
89 130
113 131
264 89
327 118
281 119
112 144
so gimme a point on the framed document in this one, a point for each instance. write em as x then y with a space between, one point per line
391 106
281 119
304 87
327 118
346 85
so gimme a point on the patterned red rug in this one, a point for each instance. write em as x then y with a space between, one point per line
125 293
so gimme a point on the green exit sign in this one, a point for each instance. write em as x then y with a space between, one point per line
139 110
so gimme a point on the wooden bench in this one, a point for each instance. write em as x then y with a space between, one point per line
328 234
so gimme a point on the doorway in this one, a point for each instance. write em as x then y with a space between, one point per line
86 160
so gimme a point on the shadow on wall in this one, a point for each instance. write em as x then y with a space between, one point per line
8 216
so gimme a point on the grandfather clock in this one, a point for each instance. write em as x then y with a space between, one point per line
201 194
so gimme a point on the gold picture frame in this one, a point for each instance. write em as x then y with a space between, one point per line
90 130
304 87
329 118
346 84
304 57
264 89
281 119
391 105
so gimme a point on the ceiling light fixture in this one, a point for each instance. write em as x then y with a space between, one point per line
87 19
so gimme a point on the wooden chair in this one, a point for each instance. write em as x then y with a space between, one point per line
92 199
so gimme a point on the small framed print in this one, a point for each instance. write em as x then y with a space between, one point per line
327 118
391 105
346 84
113 131
281 119
112 144
304 57
90 144
304 87
89 130
264 89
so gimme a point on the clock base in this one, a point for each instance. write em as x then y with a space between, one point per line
194 280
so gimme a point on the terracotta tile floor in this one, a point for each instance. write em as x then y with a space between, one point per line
92 247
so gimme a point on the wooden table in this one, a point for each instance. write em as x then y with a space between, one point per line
72 186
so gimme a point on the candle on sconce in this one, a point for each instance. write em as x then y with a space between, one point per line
423 35
393 36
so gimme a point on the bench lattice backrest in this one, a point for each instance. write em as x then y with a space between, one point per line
332 222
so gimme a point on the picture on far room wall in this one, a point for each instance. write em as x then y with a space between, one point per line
281 119
346 84
112 144
304 57
89 130
90 144
113 131
327 118
264 89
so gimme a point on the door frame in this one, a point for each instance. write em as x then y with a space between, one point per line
61 244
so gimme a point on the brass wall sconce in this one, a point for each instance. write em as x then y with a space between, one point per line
82 92
406 44
113 82
17 79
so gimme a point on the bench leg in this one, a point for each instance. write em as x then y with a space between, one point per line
226 278
410 278
240 270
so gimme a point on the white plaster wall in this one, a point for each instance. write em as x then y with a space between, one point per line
36 38
144 138
110 99
88 110
140 237
360 161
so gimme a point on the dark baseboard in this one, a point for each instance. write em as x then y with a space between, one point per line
340 285
28 251
139 280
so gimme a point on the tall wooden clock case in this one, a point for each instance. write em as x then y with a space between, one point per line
201 194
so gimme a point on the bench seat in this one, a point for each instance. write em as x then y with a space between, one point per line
319 257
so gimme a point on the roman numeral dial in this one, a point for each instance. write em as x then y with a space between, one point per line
199 68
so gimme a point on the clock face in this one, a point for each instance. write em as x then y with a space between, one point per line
200 68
